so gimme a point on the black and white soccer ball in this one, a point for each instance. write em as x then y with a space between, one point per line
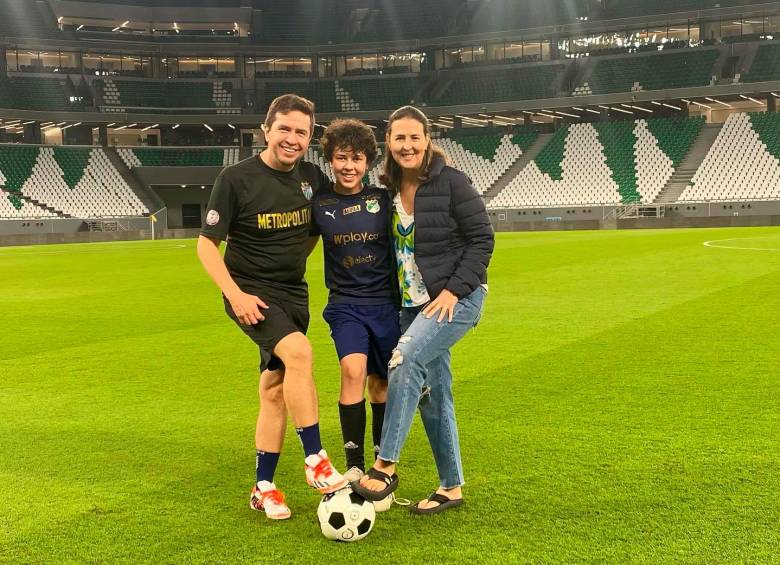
345 516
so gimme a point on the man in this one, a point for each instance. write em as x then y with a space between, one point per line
360 273
262 205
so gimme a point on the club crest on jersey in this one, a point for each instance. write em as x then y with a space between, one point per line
306 189
212 218
372 205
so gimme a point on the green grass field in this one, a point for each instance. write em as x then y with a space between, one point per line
618 403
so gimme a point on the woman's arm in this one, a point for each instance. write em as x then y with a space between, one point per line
468 211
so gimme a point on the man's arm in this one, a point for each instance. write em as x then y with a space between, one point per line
245 306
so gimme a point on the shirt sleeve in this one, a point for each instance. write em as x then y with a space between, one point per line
314 228
222 209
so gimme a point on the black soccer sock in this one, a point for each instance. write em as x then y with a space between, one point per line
353 430
377 420
265 465
310 439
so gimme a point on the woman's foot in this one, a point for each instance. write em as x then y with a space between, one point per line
439 501
379 482
385 467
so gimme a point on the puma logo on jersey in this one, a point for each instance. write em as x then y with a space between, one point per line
331 213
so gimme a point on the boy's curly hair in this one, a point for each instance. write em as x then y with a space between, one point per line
349 134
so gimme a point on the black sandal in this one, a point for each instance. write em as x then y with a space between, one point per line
391 483
444 504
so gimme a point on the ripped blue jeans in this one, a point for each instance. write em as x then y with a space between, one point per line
420 375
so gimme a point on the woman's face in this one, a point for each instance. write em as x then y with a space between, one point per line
407 143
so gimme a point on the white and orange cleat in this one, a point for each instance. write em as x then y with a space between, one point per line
322 475
265 498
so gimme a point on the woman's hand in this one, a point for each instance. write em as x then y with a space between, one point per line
444 304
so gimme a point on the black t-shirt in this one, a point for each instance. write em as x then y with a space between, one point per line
265 215
355 236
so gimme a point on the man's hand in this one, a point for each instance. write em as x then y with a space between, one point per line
247 307
445 303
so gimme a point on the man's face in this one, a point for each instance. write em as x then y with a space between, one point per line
287 139
348 168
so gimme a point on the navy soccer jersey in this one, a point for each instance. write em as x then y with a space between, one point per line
355 236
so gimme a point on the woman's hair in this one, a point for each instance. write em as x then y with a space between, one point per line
349 134
392 173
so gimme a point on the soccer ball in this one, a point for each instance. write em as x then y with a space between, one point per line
345 516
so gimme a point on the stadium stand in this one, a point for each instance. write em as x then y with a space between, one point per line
742 163
766 64
484 158
314 23
119 94
35 93
375 94
410 20
322 93
529 83
13 207
603 163
651 72
24 18
75 181
179 156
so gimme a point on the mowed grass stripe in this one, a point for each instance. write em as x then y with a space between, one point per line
601 417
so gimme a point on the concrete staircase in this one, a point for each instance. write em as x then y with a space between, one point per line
684 173
529 155
150 198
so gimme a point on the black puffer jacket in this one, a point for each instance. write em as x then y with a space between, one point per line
453 238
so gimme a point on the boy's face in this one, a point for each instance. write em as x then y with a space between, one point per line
348 168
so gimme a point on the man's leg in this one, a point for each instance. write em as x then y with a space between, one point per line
271 423
269 437
300 396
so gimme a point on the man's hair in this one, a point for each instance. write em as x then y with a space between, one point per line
349 134
287 103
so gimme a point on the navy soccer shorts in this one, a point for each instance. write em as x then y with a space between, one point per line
369 329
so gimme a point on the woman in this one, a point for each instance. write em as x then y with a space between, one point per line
443 241
353 220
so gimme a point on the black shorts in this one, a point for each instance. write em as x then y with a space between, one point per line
281 320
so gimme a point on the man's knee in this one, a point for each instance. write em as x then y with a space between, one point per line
295 352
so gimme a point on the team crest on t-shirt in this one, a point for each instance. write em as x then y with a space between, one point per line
306 189
212 218
372 205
